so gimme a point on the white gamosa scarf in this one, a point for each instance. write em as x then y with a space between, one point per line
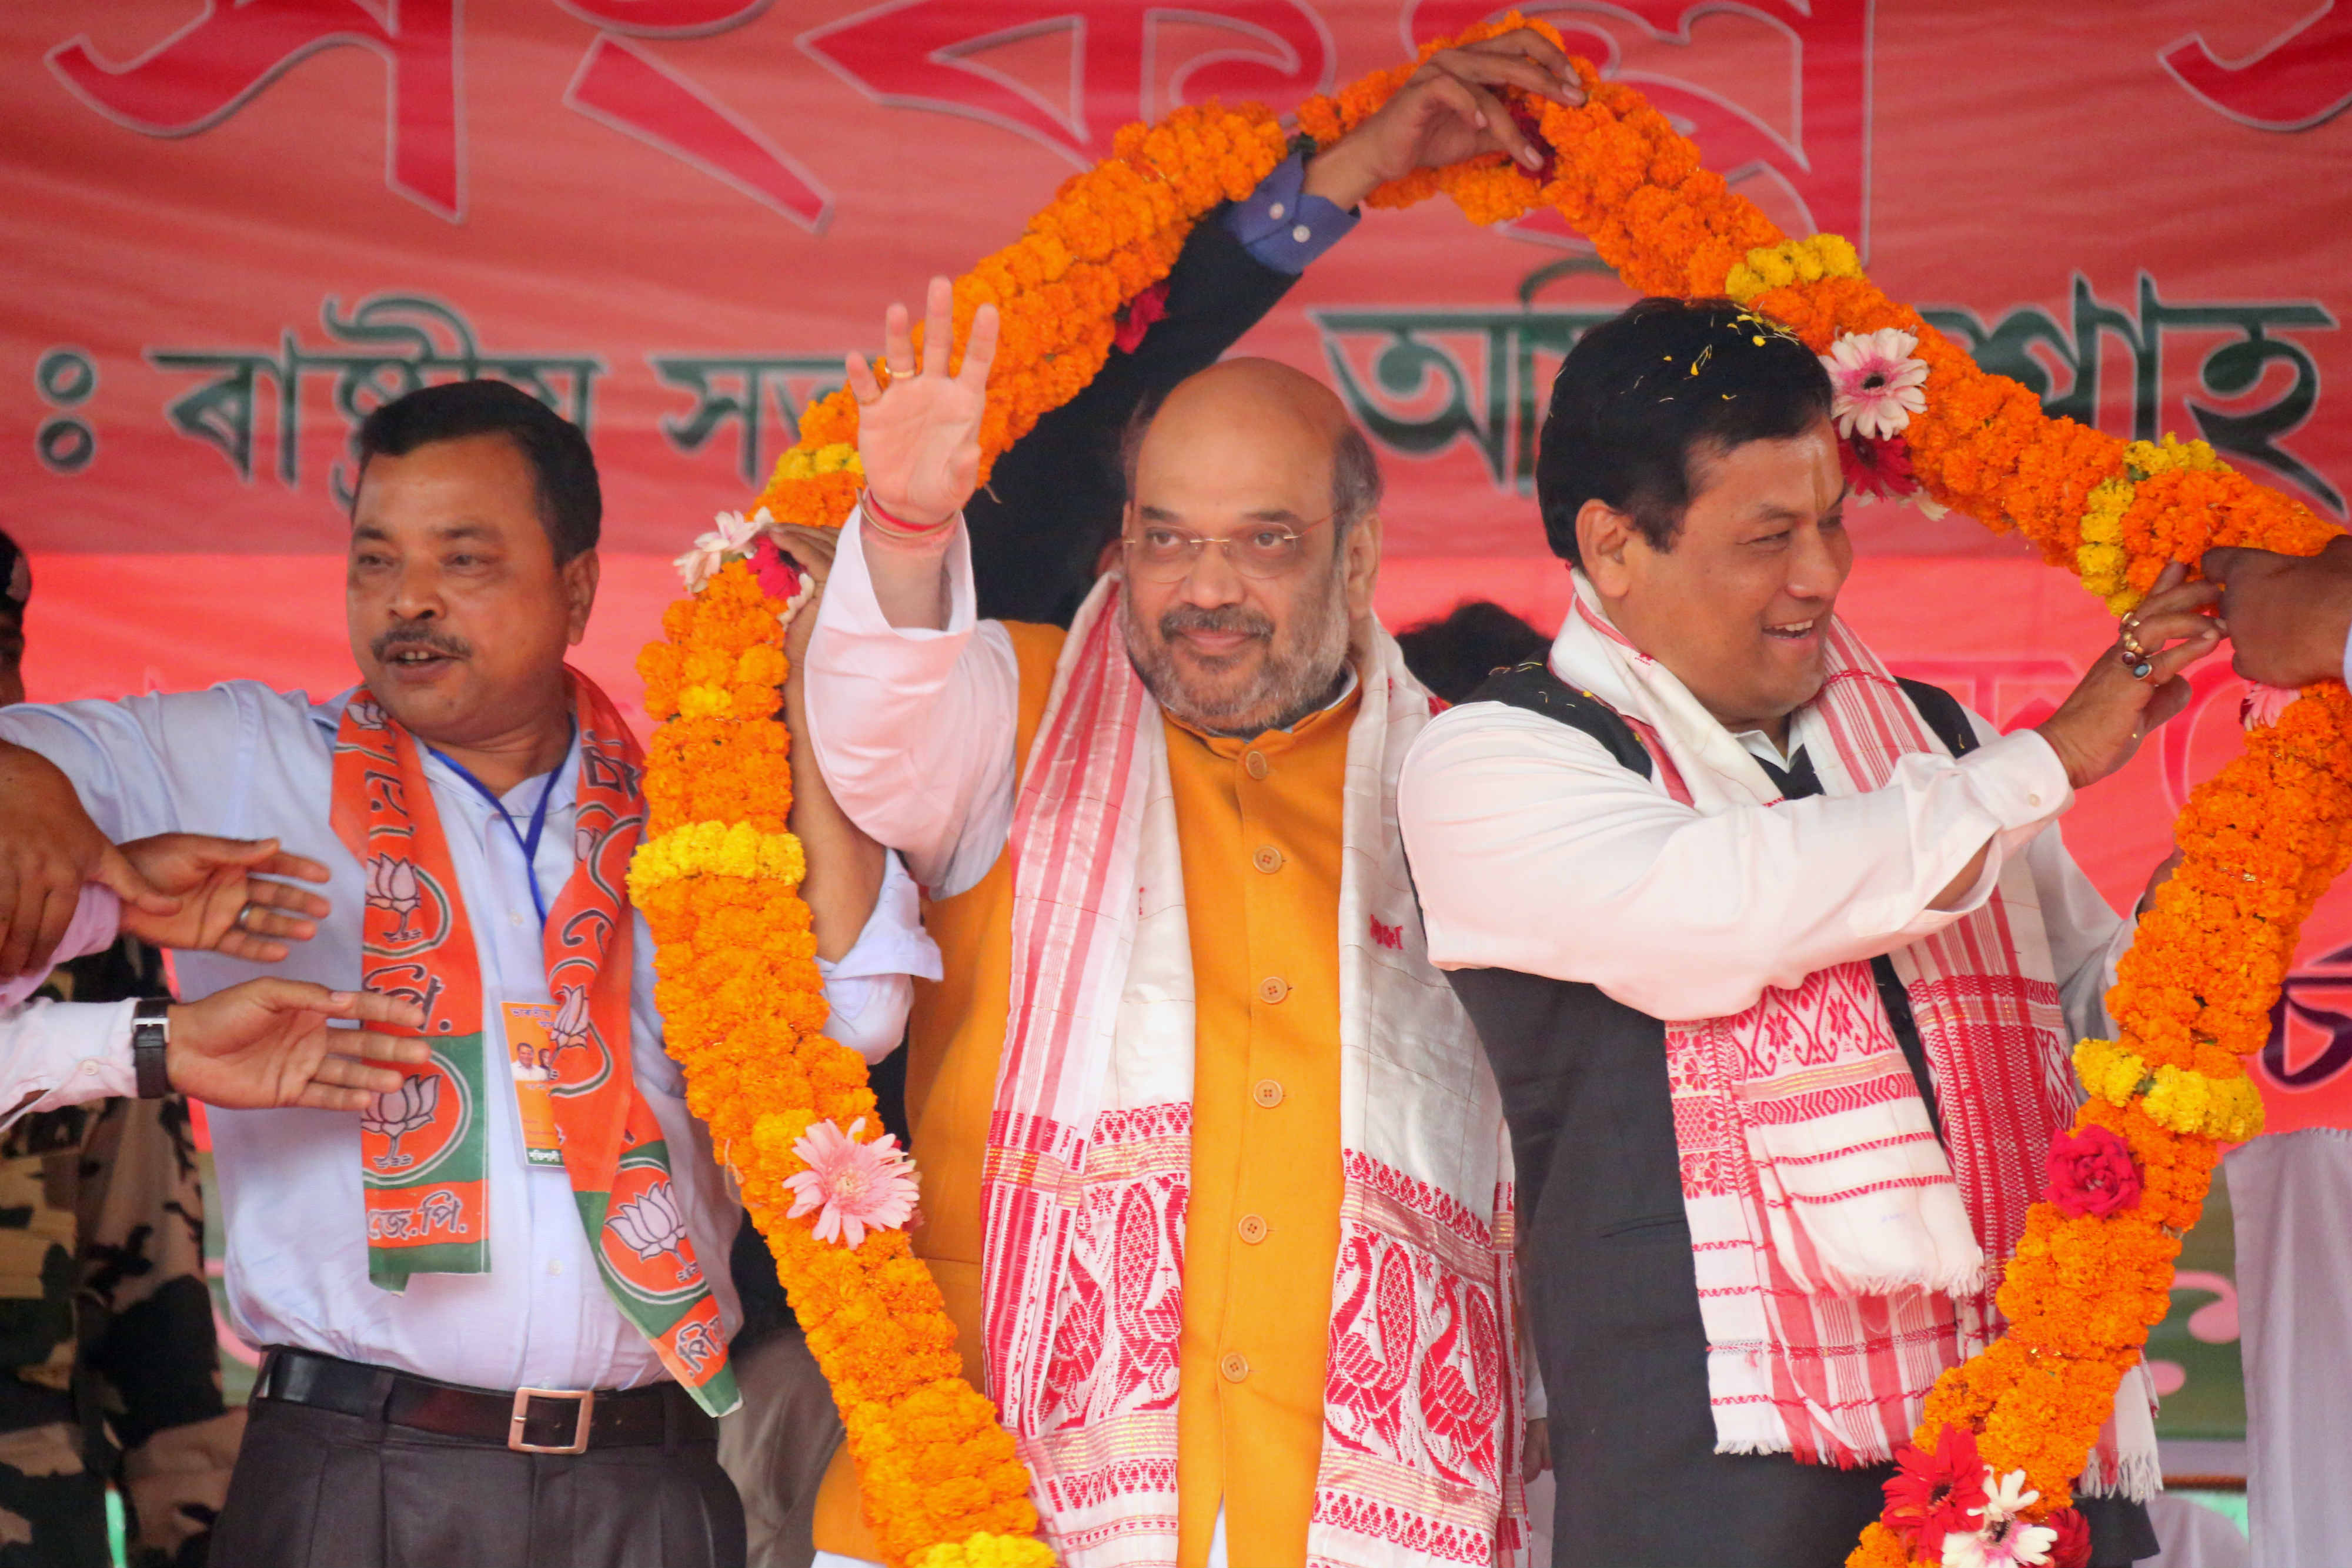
1089 1163
1845 1259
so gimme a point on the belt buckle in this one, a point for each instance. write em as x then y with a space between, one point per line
583 1402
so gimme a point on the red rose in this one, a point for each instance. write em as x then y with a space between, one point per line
2091 1172
780 575
1930 1495
2072 1547
1136 319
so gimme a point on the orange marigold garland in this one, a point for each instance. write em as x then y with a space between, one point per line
2262 839
718 879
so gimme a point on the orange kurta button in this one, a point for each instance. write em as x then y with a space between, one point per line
1273 989
1267 859
1267 1093
1253 1228
1255 764
1234 1365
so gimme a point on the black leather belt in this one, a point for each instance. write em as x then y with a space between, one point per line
528 1420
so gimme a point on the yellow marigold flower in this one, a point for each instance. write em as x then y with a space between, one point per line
2229 1109
2175 1098
1791 261
705 702
986 1550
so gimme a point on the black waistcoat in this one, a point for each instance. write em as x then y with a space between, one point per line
1609 1288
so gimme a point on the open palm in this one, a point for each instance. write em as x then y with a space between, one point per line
919 441
267 1043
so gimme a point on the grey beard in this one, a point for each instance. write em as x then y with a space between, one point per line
1300 673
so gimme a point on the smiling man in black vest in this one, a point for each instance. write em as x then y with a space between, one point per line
1778 960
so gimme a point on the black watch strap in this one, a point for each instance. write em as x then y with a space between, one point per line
151 1032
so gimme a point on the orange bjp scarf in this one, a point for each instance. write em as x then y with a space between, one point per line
423 1147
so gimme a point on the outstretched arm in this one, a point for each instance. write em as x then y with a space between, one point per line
263 1044
1053 503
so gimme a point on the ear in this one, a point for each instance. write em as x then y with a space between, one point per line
579 575
1361 564
1603 534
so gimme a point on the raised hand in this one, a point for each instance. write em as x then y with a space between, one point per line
919 440
2125 693
1450 109
266 1043
227 903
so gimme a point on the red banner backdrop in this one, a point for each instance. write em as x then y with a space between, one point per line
232 226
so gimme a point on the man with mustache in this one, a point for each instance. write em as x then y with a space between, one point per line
1213 1179
496 1307
1779 960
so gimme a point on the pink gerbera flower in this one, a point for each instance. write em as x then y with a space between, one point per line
852 1186
1875 382
2261 704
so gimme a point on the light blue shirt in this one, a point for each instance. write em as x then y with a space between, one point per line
244 761
1283 226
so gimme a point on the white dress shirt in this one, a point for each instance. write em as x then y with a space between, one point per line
244 761
1535 850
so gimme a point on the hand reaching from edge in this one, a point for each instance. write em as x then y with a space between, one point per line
266 1043
1450 109
226 901
919 441
2288 614
48 850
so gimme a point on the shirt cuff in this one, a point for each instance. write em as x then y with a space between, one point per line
2020 781
868 990
1282 225
95 919
893 941
2347 657
858 610
65 1053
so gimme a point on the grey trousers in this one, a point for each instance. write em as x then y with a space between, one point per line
317 1489
776 1448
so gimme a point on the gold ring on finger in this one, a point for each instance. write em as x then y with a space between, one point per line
2131 641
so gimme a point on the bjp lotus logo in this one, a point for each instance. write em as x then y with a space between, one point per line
568 1030
652 1226
394 883
410 1130
396 1115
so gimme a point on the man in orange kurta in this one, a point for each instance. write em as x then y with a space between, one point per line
1214 1181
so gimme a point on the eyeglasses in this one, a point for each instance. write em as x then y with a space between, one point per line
1156 553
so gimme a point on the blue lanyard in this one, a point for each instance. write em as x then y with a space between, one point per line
527 841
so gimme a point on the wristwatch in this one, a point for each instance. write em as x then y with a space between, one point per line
151 1034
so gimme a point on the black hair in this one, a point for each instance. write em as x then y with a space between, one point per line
1453 657
564 471
1644 397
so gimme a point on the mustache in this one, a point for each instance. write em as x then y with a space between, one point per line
1238 618
401 639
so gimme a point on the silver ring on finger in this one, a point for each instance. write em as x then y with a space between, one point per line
2139 668
243 910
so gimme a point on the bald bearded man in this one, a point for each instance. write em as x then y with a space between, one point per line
1214 1177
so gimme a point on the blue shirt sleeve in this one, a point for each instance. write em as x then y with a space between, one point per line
1284 227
